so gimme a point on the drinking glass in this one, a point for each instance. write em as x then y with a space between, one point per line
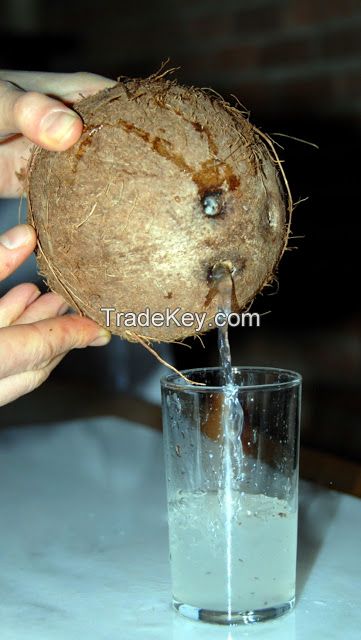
232 492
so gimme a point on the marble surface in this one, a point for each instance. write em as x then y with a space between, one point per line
84 550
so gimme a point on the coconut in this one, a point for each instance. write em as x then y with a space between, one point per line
165 183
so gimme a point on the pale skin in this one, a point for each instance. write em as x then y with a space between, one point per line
34 332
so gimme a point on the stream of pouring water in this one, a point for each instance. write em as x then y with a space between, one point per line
232 423
232 550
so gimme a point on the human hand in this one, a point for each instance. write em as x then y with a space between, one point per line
34 333
29 115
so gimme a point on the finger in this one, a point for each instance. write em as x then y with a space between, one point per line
43 120
18 385
14 157
32 346
68 86
47 306
14 302
16 245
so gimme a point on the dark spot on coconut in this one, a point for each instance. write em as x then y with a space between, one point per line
209 277
84 144
212 292
234 301
169 295
197 126
129 126
233 182
212 203
213 175
164 148
209 177
239 264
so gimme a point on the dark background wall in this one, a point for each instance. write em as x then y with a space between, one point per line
296 65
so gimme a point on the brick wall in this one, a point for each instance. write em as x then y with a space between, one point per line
277 56
280 55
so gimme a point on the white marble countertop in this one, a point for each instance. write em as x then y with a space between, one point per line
84 551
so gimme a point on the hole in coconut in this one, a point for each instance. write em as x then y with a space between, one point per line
212 203
272 215
220 270
216 275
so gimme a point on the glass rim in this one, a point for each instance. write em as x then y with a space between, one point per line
175 382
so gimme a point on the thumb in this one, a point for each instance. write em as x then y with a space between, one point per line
43 120
15 246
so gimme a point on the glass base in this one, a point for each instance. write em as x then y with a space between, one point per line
236 617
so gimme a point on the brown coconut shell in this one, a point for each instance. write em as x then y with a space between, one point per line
122 216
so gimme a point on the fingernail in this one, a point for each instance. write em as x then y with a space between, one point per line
101 340
57 125
16 237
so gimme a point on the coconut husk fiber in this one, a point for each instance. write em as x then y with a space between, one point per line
166 182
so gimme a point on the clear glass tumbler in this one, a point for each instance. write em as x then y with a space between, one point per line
232 495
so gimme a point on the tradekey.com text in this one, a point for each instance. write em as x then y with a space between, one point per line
177 317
